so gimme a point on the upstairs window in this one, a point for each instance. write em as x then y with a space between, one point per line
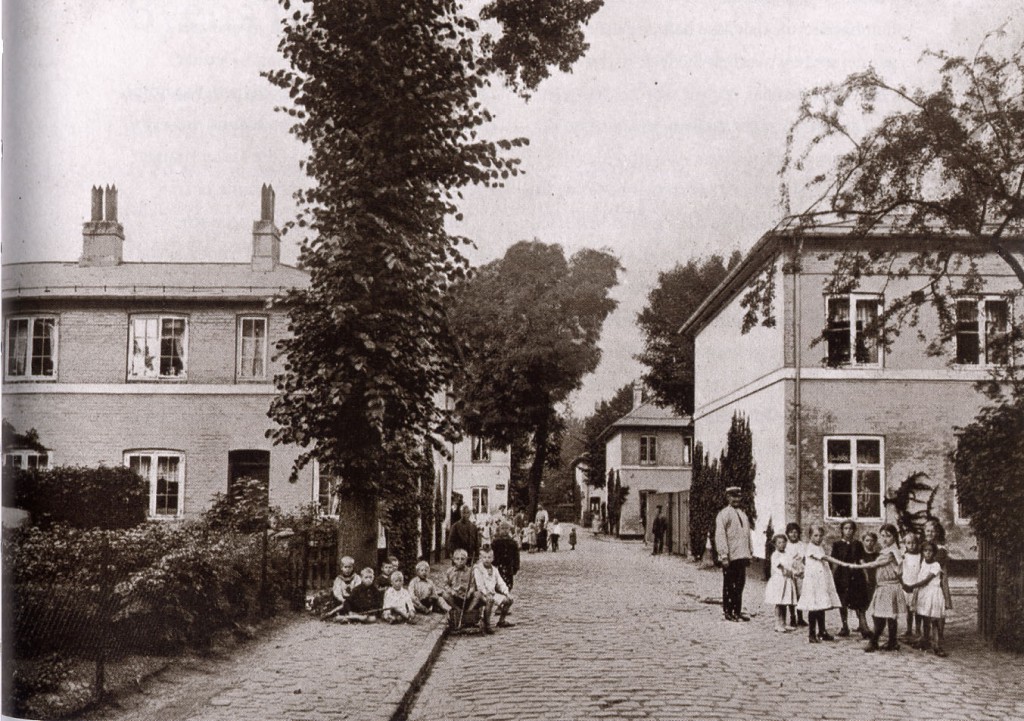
982 331
252 347
648 450
848 317
26 458
687 451
481 452
31 348
165 473
157 347
325 491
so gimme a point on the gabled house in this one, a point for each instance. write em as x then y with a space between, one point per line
649 451
838 421
164 367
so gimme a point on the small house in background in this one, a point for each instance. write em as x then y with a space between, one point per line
649 454
166 368
838 421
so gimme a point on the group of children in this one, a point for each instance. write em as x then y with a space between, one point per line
872 577
366 596
534 537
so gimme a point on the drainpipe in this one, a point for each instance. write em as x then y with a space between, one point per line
796 382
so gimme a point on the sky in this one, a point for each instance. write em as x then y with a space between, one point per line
662 145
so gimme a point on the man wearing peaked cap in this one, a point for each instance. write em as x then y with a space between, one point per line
732 540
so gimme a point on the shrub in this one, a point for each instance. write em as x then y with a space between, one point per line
105 497
245 508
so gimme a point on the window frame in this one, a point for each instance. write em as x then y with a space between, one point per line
981 319
485 450
687 450
23 455
318 492
480 499
648 452
240 320
155 454
28 376
160 318
851 302
854 466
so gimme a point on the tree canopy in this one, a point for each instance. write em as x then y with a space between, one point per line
607 412
912 162
528 325
667 354
385 96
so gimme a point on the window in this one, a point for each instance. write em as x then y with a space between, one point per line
848 317
982 331
481 451
648 450
252 347
164 470
687 451
254 464
31 348
326 486
157 347
854 477
26 458
480 504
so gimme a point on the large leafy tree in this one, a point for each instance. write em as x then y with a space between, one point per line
385 95
667 354
528 324
879 156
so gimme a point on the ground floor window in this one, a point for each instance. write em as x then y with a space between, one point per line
165 472
25 458
326 487
480 504
854 477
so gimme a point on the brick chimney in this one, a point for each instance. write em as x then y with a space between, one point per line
102 236
266 238
638 394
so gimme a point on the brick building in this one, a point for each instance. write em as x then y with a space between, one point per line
164 367
650 451
839 423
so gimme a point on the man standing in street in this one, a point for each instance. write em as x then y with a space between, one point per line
658 528
732 540
465 535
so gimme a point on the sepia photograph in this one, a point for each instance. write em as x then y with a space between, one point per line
512 360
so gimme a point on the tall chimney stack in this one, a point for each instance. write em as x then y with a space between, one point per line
266 238
638 394
102 236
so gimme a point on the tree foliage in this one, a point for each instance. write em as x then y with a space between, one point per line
884 159
528 325
385 96
667 354
607 412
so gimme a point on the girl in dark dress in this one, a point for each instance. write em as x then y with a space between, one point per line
851 584
870 554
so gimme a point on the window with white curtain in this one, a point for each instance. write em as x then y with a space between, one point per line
252 347
165 473
157 347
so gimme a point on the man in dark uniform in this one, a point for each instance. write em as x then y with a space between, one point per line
658 528
465 535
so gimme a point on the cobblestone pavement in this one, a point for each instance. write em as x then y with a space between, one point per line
303 670
608 631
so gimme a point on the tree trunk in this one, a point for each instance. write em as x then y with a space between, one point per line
540 454
357 529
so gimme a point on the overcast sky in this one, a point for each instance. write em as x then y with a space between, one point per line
662 145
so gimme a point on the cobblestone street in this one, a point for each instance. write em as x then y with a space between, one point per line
607 631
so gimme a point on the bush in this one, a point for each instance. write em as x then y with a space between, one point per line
245 508
104 497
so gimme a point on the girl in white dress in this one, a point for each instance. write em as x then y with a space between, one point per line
780 591
819 591
931 601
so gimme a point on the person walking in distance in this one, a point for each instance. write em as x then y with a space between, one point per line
658 528
732 539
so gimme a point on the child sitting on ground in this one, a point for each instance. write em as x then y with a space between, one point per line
398 605
364 603
386 569
424 594
493 591
346 580
458 589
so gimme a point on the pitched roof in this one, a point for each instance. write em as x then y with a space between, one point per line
649 415
153 280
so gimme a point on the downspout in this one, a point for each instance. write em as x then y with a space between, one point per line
796 382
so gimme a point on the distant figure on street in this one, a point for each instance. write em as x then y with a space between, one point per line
542 516
658 528
572 538
732 539
554 534
465 535
506 554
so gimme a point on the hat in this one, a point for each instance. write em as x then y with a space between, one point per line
733 491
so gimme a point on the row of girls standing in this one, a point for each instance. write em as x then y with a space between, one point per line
878 581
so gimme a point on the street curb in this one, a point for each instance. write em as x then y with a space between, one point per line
404 692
